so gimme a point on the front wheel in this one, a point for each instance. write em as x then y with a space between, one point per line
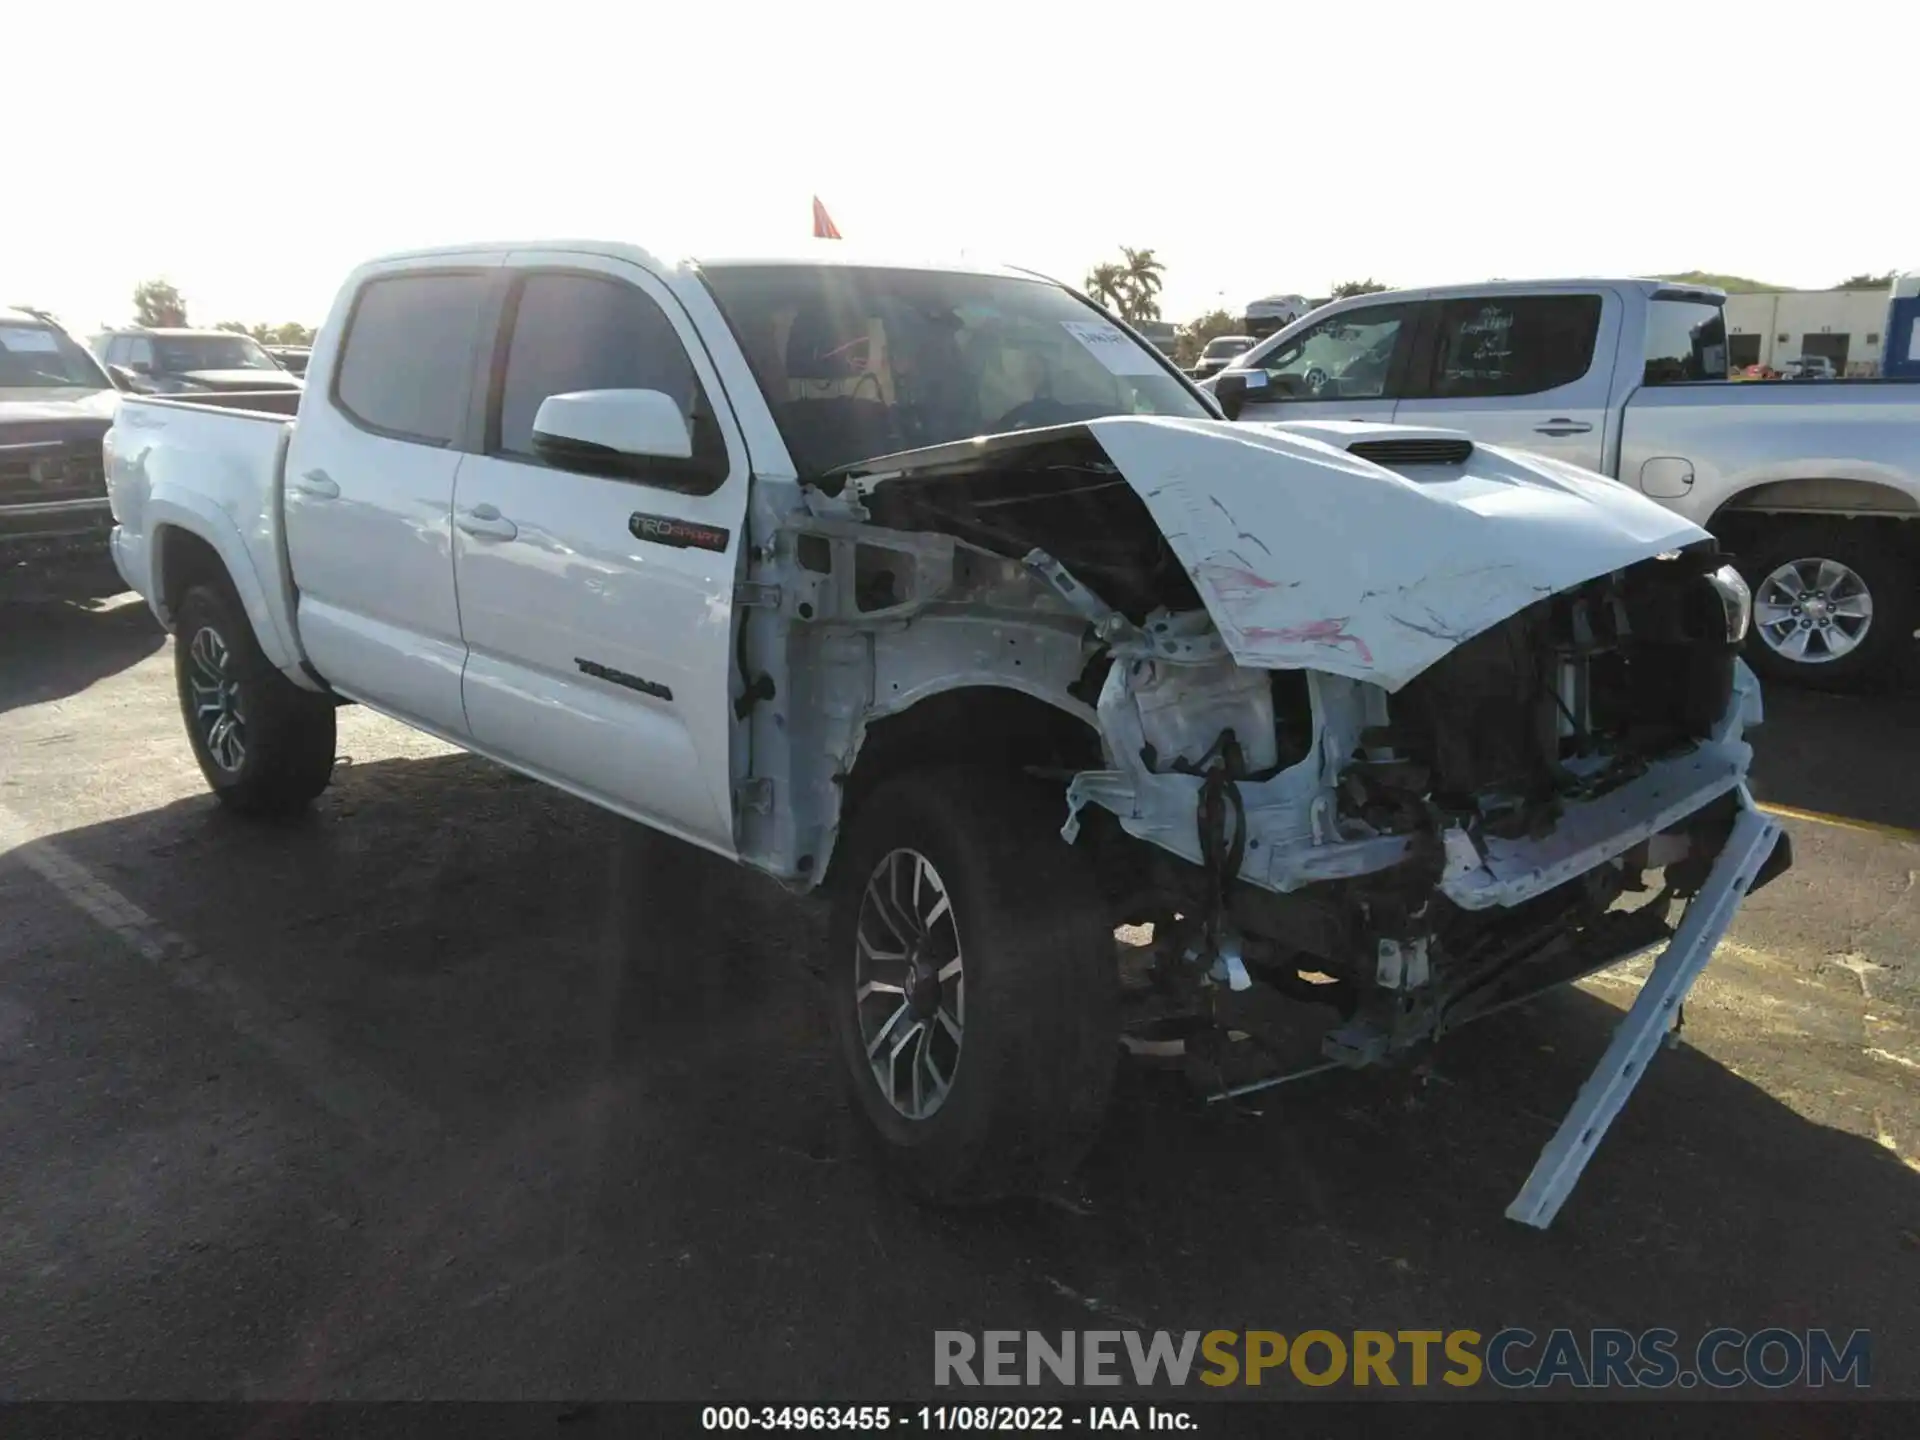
1833 605
264 745
971 984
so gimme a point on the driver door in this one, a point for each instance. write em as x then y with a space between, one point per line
1349 366
597 610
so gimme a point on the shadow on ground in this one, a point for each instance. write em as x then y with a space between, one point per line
630 1170
55 647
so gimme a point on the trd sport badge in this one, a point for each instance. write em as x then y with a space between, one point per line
681 534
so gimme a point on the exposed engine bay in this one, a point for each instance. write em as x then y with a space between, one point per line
1411 729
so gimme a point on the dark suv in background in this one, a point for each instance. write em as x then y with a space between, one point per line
181 362
55 406
293 358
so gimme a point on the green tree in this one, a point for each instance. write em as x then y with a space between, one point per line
157 304
1130 287
1108 285
1368 286
1195 334
290 332
1866 282
1142 282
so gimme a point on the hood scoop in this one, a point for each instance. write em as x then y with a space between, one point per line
1423 450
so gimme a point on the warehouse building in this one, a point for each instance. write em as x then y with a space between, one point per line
1774 327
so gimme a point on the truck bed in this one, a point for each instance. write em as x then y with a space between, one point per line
266 404
1844 433
211 466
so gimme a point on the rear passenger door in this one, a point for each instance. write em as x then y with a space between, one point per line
369 491
598 610
1348 366
1519 370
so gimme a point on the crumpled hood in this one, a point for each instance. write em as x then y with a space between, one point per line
1309 557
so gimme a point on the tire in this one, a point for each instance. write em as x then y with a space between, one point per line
1866 553
278 755
1037 992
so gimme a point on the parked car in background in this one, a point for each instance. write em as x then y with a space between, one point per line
938 589
1219 351
1815 489
186 362
1273 313
55 405
291 358
1808 367
1163 335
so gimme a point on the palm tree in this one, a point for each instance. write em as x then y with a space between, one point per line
1141 277
1108 284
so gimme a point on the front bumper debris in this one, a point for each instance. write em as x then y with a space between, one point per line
1747 859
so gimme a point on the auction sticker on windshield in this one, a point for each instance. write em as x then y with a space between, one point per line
1112 348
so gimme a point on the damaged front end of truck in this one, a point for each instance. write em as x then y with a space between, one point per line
1393 726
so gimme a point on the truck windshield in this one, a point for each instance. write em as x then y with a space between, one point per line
33 356
178 354
857 362
1686 340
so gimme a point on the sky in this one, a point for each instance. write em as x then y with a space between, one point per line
253 154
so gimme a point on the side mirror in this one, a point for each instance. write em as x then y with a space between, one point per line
121 376
630 434
1236 389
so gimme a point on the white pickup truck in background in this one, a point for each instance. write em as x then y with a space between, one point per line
940 590
1813 486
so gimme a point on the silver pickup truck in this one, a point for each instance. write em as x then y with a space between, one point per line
1812 485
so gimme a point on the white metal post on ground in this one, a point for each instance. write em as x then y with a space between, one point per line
1646 1025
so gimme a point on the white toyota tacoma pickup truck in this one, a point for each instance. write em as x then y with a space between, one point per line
1814 488
939 590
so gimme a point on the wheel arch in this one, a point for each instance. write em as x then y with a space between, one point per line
989 721
189 547
1812 497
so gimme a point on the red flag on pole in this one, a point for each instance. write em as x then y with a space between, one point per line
823 226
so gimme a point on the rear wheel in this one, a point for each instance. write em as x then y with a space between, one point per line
972 986
1833 605
264 745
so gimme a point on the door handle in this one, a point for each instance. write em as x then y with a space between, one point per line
1560 425
318 484
486 522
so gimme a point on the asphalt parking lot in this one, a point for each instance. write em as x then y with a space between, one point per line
461 1088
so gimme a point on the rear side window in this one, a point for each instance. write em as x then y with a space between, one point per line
1687 340
408 354
589 332
1518 345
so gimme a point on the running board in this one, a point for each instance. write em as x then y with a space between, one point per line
1639 1035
